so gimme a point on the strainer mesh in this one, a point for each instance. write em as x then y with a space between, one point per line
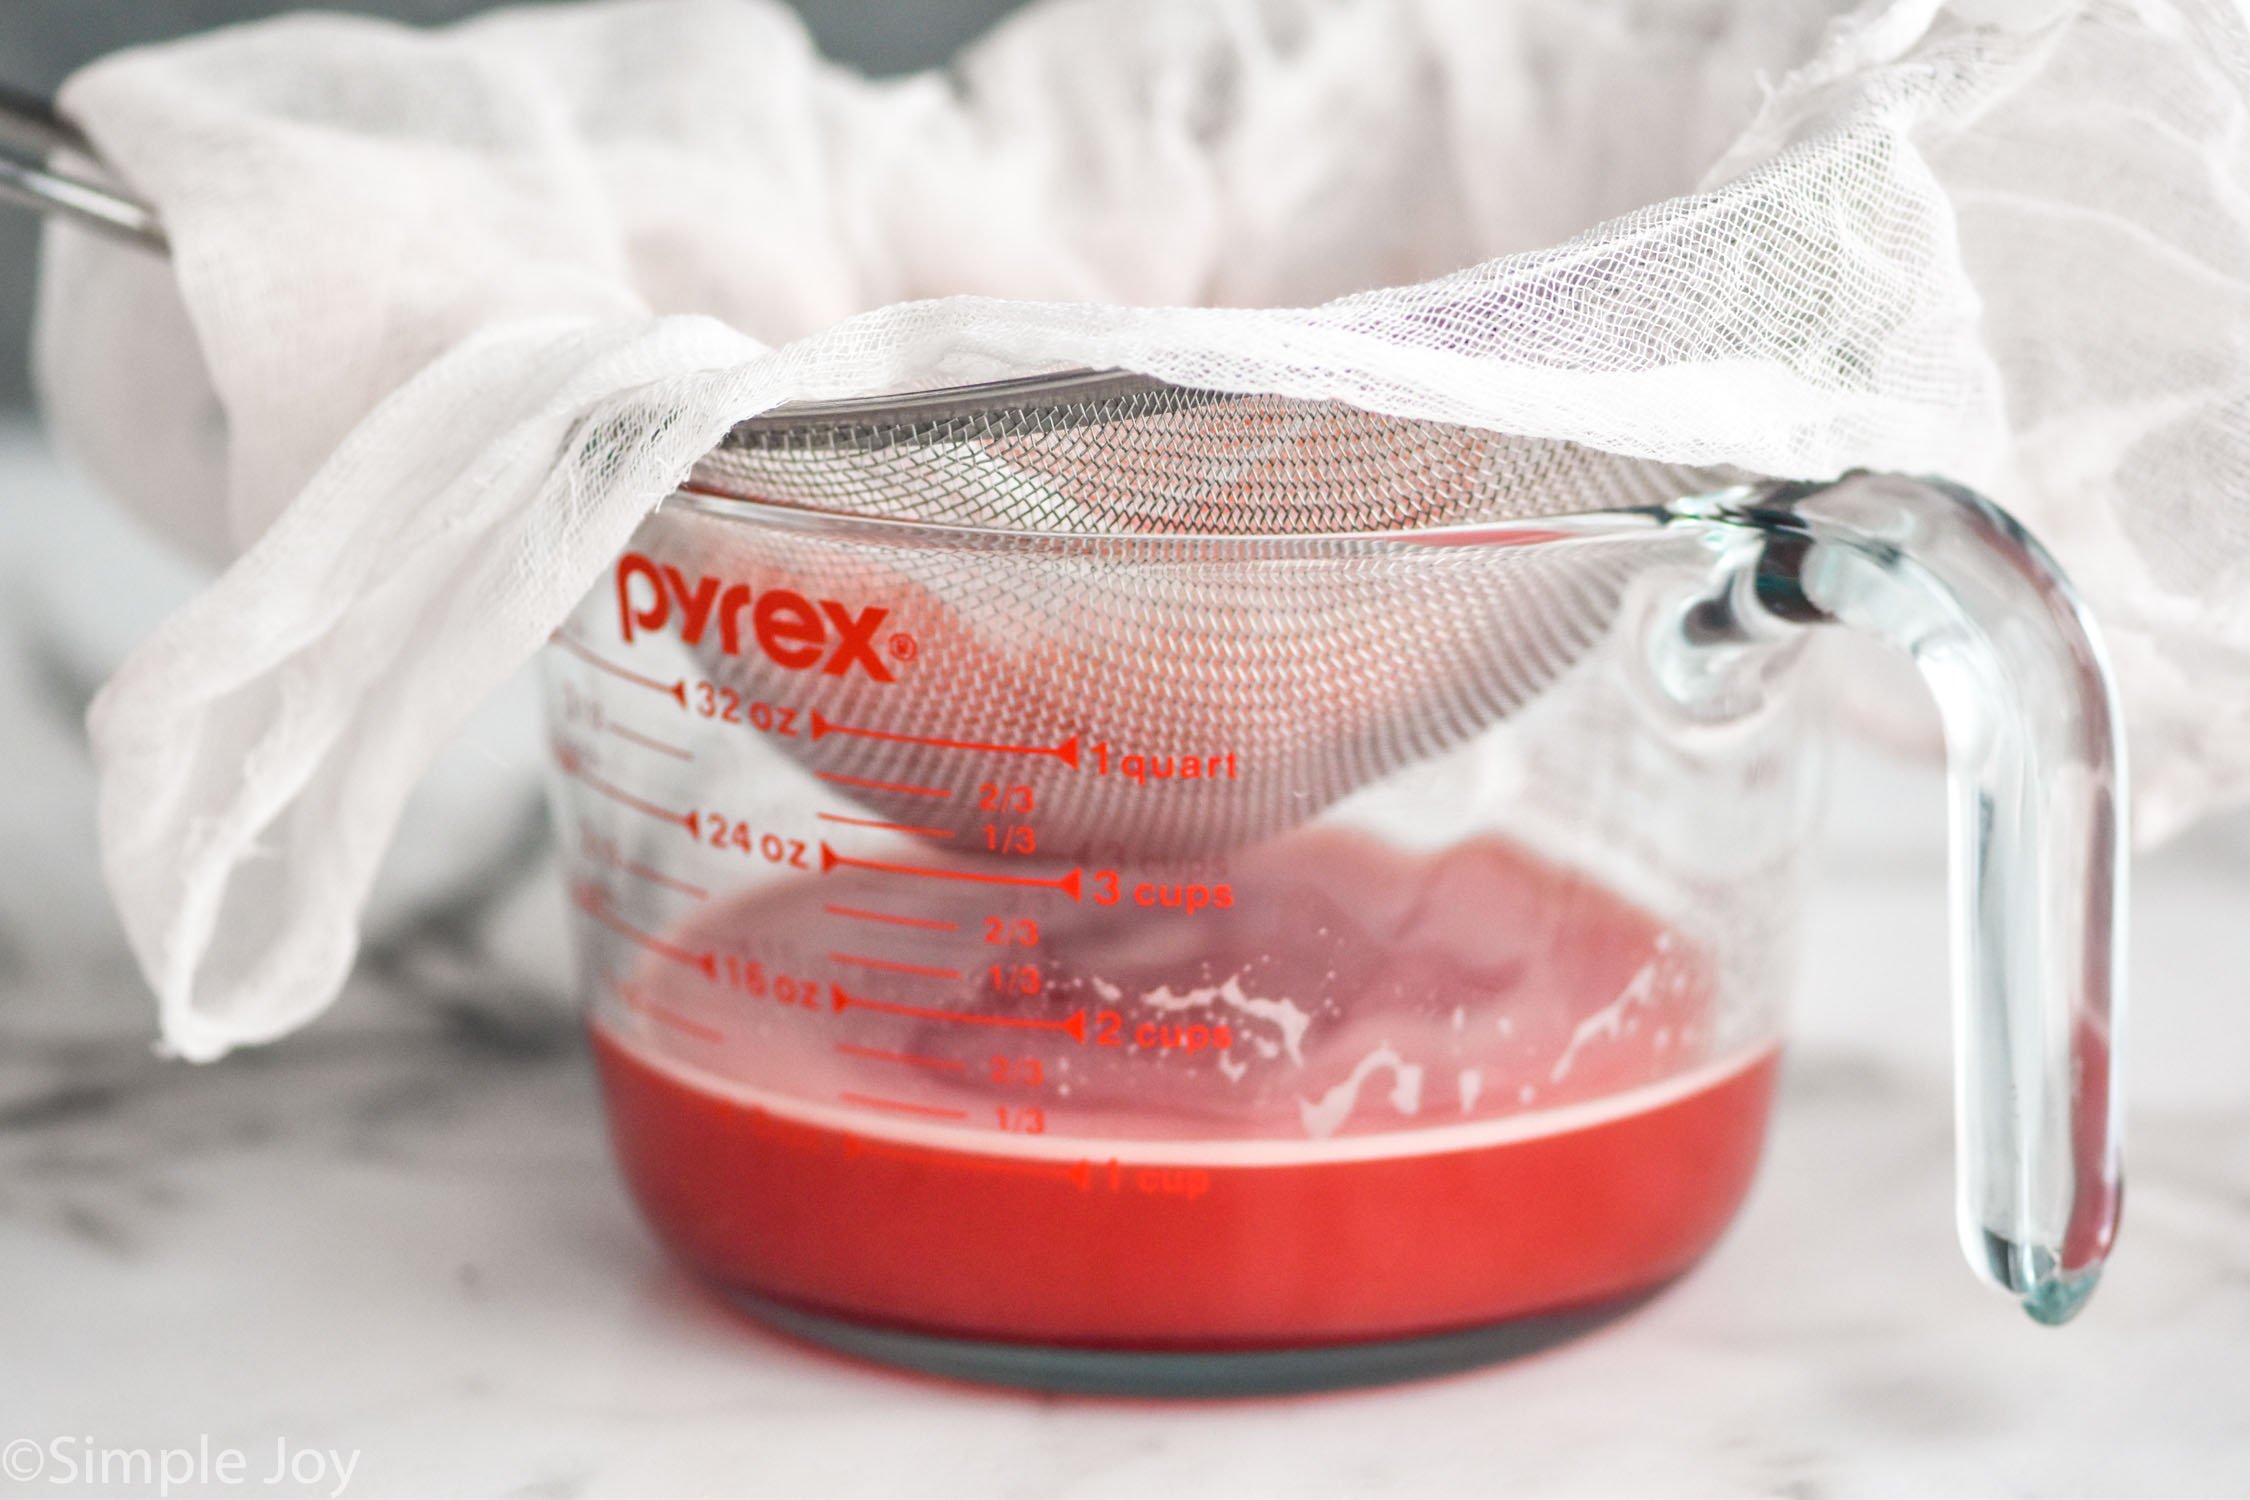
1305 665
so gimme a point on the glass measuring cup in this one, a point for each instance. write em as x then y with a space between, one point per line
1164 959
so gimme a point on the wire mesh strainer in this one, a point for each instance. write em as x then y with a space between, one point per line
1106 566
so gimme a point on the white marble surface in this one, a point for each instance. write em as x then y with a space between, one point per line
398 1235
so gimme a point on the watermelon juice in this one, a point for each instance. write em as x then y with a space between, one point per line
1366 1094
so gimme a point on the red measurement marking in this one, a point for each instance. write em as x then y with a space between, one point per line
1066 752
1079 1174
648 742
883 786
574 765
664 1017
927 1111
860 914
893 966
594 902
877 1054
1073 1025
609 859
1068 883
633 867
676 690
928 833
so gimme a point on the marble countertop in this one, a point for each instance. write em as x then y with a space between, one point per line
397 1236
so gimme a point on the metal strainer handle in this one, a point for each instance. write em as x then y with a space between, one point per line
31 131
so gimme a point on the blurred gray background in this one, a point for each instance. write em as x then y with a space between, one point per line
41 41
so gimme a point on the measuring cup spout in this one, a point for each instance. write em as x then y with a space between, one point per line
2037 764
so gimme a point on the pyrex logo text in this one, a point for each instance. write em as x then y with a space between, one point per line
791 630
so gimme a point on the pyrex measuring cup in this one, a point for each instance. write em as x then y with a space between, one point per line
1102 929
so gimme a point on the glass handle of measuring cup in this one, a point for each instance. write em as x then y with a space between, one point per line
2036 762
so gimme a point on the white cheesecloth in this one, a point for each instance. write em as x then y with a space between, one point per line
447 312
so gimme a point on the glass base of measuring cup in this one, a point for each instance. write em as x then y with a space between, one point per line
1189 1373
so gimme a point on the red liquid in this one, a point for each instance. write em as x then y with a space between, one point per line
1150 1219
